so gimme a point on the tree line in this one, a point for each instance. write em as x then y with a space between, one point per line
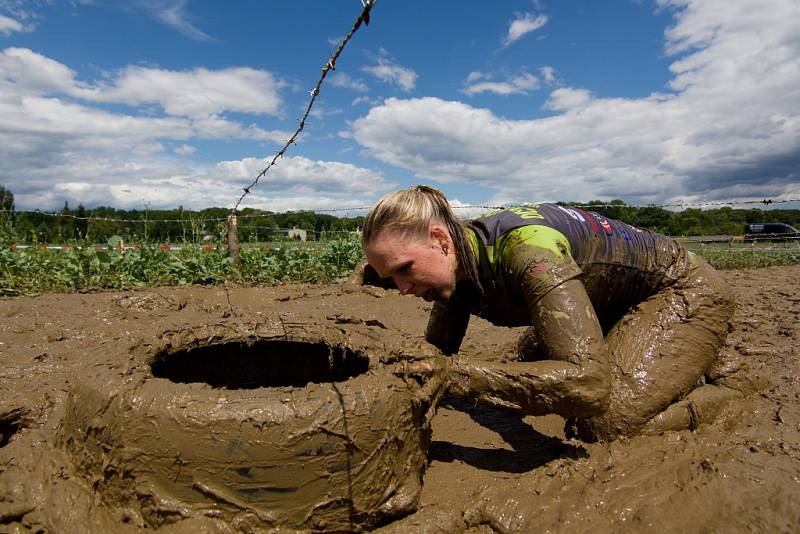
163 226
184 225
690 221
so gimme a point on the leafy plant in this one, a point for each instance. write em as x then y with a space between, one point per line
86 266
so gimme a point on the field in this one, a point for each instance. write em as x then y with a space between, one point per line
89 267
488 471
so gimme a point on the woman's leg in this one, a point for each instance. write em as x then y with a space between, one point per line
660 351
727 380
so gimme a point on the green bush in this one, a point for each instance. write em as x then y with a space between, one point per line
34 270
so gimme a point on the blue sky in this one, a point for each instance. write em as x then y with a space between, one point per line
163 103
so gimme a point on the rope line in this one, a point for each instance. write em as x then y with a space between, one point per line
329 66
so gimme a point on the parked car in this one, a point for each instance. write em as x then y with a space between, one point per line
770 232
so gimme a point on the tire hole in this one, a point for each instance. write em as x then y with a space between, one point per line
10 424
265 363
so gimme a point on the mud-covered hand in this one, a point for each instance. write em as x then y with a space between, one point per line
430 378
422 370
572 381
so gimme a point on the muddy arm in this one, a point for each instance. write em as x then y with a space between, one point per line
446 327
365 275
573 382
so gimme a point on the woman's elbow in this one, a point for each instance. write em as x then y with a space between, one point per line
592 391
594 400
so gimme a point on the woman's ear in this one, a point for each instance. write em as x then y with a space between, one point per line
439 233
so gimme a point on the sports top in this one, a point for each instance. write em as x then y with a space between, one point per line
524 252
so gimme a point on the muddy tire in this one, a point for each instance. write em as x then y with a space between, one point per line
253 426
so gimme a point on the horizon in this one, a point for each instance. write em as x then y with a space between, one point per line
177 102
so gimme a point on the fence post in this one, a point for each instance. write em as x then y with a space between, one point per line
233 243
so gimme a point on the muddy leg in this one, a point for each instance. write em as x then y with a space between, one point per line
659 352
732 371
702 405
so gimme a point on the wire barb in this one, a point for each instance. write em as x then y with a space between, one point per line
330 65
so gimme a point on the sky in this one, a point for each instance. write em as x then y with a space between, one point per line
163 103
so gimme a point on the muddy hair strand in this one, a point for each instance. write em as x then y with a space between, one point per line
410 212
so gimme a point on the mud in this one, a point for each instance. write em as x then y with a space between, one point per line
103 428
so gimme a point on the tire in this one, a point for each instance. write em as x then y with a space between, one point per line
152 435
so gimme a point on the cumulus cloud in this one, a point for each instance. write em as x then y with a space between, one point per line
548 74
193 93
387 70
295 183
185 150
522 25
363 99
479 82
568 98
730 128
9 25
57 144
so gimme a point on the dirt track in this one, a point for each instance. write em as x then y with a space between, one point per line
489 471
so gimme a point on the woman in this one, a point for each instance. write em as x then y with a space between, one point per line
625 324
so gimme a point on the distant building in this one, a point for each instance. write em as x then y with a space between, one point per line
297 234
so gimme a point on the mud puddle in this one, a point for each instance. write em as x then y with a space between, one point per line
481 470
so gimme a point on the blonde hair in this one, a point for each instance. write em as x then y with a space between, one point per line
410 213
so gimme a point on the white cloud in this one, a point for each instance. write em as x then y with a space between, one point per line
731 129
343 80
173 13
31 72
9 25
522 25
548 75
477 75
478 82
195 93
198 92
466 211
302 174
215 127
56 144
387 70
568 98
295 183
185 150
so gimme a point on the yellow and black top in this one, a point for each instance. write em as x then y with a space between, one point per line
524 252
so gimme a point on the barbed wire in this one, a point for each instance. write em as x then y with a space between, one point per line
329 66
199 219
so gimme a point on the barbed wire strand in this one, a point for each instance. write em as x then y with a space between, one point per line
347 210
329 66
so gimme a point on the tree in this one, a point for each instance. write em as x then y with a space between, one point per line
6 199
7 216
653 218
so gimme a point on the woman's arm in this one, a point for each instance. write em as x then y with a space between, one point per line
447 325
573 381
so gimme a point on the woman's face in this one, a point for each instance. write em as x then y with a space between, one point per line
424 266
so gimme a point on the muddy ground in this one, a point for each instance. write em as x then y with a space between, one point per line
488 471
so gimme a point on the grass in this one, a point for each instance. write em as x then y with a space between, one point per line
33 270
738 255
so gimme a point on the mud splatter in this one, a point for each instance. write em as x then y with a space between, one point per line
487 470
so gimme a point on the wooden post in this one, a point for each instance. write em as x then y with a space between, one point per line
233 243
